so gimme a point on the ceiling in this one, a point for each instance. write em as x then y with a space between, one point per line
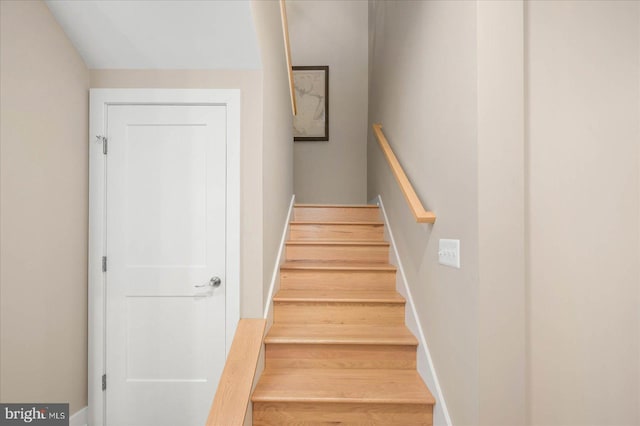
160 34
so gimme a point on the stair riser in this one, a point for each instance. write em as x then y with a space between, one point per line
297 413
340 356
336 214
347 253
337 232
338 313
337 280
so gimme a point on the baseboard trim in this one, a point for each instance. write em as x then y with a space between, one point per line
80 417
428 371
276 268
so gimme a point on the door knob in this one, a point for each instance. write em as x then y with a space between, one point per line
213 282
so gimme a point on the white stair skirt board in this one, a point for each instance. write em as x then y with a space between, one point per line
268 306
425 365
275 277
79 418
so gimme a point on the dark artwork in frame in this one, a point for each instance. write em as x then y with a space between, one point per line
311 123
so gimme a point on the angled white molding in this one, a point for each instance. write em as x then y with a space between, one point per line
276 267
80 417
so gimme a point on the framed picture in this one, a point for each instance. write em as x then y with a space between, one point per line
311 123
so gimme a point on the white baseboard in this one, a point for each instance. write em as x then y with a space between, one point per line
80 417
275 277
425 363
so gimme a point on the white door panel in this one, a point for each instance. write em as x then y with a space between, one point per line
165 229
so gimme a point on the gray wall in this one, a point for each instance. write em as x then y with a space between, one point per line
423 91
333 33
277 149
582 160
43 209
501 214
518 123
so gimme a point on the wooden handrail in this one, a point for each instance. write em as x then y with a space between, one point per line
418 210
229 406
287 52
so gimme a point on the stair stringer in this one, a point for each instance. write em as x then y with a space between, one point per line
268 306
275 277
425 365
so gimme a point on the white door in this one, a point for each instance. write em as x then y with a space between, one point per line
165 246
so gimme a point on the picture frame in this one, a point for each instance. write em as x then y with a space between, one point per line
311 123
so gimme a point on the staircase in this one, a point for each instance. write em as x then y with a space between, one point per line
338 351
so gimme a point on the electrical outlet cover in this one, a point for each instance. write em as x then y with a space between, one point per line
449 252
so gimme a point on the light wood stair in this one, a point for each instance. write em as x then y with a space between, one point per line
336 231
337 275
335 251
340 346
338 351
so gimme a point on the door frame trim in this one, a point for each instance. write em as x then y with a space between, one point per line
100 99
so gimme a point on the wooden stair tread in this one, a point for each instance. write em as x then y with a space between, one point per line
340 334
334 229
318 222
342 385
353 296
336 243
336 265
337 206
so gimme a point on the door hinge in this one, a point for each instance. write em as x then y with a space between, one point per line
104 263
104 141
104 382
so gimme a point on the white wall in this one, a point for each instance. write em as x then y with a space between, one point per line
582 112
501 214
169 34
44 113
334 33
